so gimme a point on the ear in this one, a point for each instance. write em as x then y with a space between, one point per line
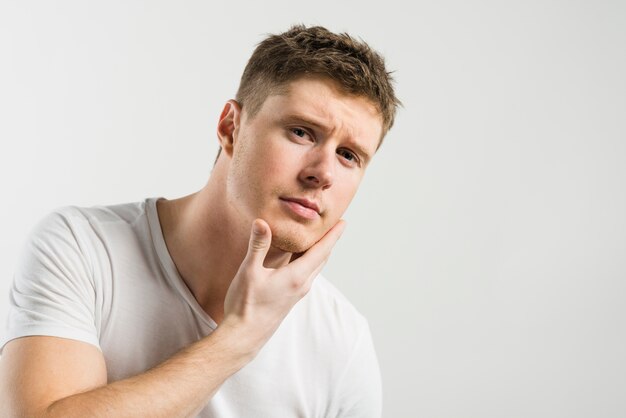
228 125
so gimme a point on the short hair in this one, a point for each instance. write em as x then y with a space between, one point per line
308 51
304 51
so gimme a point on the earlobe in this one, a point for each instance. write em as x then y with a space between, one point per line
227 127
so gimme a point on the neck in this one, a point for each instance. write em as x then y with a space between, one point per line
207 241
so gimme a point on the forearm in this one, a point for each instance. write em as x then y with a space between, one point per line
179 387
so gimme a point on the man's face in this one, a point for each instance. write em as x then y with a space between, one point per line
298 162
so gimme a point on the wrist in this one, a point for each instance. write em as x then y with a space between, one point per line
238 339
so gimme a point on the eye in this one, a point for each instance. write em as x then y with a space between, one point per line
348 155
300 133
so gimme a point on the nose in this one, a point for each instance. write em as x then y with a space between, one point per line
318 171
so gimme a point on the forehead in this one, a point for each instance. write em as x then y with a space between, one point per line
323 102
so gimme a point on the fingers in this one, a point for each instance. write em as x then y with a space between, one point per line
260 240
316 256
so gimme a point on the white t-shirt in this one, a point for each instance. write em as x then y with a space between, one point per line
103 275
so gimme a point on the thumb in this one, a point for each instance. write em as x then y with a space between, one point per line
260 240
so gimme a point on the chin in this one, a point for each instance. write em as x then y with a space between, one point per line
290 244
292 241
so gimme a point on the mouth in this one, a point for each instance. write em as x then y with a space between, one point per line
303 208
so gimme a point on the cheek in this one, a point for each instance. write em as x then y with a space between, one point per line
280 164
259 167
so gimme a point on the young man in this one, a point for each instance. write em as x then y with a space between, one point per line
212 304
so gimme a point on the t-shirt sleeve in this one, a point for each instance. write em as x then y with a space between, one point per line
53 292
360 389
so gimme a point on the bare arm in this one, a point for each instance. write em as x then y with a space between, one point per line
53 377
56 377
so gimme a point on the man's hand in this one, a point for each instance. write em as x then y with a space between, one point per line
259 298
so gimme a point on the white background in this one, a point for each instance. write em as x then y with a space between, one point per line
487 245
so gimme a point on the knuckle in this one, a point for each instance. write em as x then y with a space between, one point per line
294 285
257 245
304 289
300 286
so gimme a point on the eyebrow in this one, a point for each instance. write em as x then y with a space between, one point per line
308 121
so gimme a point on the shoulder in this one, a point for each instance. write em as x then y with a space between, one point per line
75 224
323 292
74 239
331 315
62 274
70 216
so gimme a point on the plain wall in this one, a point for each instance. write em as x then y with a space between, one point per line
487 244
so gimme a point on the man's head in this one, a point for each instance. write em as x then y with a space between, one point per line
310 113
302 51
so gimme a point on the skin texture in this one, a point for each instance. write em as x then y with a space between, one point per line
246 256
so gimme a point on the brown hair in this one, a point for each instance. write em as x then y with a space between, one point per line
301 51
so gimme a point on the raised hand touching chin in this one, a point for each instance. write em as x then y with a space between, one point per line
259 298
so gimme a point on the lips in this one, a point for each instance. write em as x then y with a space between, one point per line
301 208
304 202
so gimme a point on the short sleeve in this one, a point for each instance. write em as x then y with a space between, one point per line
53 292
360 389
